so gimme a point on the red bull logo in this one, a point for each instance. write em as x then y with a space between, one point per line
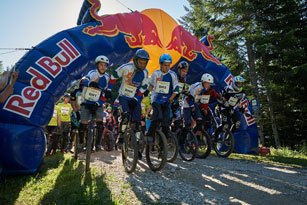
148 30
129 24
189 46
229 80
25 103
249 119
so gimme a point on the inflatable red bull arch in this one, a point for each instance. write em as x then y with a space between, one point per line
46 71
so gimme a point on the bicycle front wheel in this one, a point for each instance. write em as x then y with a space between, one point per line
189 149
172 147
89 141
204 145
224 143
156 154
129 151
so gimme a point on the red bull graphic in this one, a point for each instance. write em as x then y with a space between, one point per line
229 79
188 46
145 33
46 71
249 119
24 104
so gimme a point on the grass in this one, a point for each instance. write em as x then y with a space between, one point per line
60 180
278 156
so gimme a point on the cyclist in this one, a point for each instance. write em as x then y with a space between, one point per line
65 110
134 84
164 84
195 104
75 101
234 95
203 99
95 94
183 68
53 128
109 125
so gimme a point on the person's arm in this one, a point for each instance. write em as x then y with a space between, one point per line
116 74
175 87
74 106
139 94
153 81
173 96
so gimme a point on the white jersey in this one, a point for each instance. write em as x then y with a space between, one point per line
194 91
164 84
132 81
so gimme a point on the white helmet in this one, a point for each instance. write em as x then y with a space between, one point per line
207 78
102 59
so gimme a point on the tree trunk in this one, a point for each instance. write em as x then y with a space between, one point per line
254 81
270 103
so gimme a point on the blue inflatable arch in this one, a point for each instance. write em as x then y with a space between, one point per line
46 71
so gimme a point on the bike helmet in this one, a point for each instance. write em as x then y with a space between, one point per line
207 78
102 59
66 95
140 54
165 58
236 80
183 64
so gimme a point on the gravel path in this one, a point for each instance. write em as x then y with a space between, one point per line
204 181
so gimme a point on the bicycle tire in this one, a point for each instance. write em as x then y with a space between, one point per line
159 148
89 141
172 149
220 145
129 144
141 143
190 146
204 145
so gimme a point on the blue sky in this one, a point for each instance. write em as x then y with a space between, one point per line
26 23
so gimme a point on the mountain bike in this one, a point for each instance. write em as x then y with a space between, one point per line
205 144
135 143
90 139
190 145
222 142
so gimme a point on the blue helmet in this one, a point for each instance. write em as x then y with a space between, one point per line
236 80
165 58
140 54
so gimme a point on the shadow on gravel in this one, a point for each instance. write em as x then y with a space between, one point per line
220 181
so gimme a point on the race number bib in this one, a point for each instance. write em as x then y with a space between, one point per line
233 101
91 94
204 99
128 90
54 113
65 110
180 85
162 87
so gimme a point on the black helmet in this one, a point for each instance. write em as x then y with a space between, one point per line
183 64
140 54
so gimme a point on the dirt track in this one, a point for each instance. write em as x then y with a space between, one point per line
204 181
